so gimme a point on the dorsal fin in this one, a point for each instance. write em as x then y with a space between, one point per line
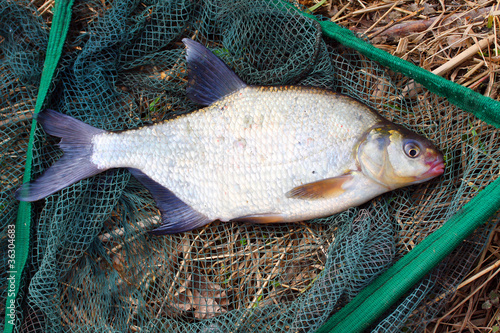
209 79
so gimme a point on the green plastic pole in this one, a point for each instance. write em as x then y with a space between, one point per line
20 246
484 108
379 296
393 284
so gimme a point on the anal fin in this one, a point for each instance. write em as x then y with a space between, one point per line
260 218
176 215
322 189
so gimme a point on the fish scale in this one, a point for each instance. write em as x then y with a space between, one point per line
253 154
251 145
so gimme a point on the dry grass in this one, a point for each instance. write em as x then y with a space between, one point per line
459 41
443 37
475 306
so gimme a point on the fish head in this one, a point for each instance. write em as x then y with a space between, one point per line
395 157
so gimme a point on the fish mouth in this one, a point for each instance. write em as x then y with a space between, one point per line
436 168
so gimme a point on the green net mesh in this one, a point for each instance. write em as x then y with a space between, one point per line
93 268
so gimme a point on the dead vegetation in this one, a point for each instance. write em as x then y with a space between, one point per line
459 41
456 40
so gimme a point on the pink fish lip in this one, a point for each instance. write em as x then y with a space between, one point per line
436 167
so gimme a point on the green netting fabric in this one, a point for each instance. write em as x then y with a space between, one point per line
21 63
93 268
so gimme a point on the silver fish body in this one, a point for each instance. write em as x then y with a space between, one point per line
241 155
259 154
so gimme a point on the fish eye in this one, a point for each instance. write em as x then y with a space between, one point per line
412 150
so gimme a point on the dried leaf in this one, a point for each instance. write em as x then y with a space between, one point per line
206 307
198 294
209 289
184 301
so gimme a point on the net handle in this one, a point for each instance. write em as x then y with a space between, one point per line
397 280
375 299
484 108
57 37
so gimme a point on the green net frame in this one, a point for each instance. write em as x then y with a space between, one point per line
83 261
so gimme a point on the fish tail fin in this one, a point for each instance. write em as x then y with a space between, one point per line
75 164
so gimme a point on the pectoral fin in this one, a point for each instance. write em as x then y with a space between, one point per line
322 189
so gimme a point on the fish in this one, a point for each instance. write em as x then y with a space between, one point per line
258 154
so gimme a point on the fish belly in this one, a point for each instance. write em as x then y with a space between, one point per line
242 154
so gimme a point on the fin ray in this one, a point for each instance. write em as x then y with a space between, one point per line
176 215
322 189
209 78
75 164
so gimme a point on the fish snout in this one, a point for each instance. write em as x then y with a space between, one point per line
436 164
